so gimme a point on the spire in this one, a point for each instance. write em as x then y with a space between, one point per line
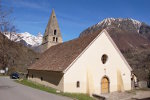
52 35
53 11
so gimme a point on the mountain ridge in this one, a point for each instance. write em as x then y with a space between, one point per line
25 38
122 23
15 56
132 38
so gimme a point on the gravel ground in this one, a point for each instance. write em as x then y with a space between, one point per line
130 95
142 95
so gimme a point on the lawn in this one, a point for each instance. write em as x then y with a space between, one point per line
2 75
77 96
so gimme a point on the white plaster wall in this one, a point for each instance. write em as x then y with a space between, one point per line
89 70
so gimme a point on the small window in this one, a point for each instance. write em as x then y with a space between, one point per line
55 32
45 38
32 76
104 58
56 39
53 38
41 78
78 84
13 61
53 16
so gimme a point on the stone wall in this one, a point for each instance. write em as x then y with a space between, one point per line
47 78
142 84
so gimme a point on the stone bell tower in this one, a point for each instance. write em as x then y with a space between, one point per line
52 35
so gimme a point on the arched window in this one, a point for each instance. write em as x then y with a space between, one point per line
53 38
13 61
45 39
55 32
56 39
104 58
78 84
32 76
41 78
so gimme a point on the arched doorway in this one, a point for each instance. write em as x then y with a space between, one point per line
105 85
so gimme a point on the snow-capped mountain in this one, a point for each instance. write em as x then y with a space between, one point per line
126 24
108 21
132 38
25 38
128 33
120 21
15 55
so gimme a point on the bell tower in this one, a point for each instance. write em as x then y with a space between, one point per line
52 35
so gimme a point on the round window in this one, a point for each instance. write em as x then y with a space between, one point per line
104 58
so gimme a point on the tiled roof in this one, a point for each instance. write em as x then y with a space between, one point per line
59 57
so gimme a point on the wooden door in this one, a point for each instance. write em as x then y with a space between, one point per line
105 85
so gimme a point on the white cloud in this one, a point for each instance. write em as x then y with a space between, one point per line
40 5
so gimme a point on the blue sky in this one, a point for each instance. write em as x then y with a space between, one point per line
73 15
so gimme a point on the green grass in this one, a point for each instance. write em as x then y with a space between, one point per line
77 96
3 75
131 92
143 89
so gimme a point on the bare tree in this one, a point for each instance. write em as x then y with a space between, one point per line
6 25
6 22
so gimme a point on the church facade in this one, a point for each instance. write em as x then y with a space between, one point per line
91 64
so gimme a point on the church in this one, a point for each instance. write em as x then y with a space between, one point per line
90 64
